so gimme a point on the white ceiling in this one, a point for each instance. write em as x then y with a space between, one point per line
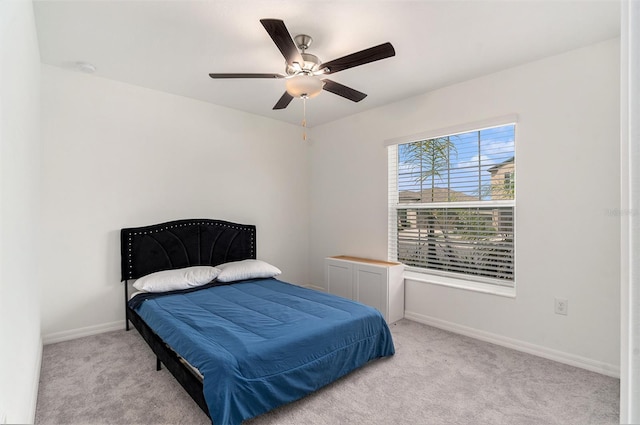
172 45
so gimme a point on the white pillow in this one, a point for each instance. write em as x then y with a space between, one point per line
246 269
171 280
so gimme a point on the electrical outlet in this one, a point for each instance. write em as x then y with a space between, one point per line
562 306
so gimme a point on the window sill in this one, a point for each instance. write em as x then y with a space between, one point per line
484 288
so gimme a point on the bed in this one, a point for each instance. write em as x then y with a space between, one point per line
242 345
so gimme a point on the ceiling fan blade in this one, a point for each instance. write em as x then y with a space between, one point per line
280 35
284 101
362 57
223 75
342 90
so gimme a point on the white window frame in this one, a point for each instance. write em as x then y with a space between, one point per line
477 284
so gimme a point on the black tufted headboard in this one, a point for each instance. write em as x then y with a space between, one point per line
184 243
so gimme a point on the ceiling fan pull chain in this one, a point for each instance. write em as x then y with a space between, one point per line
304 118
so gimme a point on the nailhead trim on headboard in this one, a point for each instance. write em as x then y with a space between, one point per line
133 233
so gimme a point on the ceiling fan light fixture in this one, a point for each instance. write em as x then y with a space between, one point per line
304 86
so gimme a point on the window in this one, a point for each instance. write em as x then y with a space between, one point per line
451 204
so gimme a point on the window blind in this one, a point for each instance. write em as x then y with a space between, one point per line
452 203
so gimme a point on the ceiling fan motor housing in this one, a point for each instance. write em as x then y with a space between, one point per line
310 65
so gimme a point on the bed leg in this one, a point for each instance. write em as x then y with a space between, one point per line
158 364
126 299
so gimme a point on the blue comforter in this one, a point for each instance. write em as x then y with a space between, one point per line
263 343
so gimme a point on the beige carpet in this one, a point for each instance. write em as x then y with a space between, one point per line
436 377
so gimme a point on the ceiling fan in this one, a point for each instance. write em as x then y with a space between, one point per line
303 70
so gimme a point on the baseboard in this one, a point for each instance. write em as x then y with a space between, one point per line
80 332
536 350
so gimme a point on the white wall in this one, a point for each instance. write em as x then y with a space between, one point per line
117 155
20 344
567 153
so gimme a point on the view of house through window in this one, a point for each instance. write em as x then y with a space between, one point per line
452 202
